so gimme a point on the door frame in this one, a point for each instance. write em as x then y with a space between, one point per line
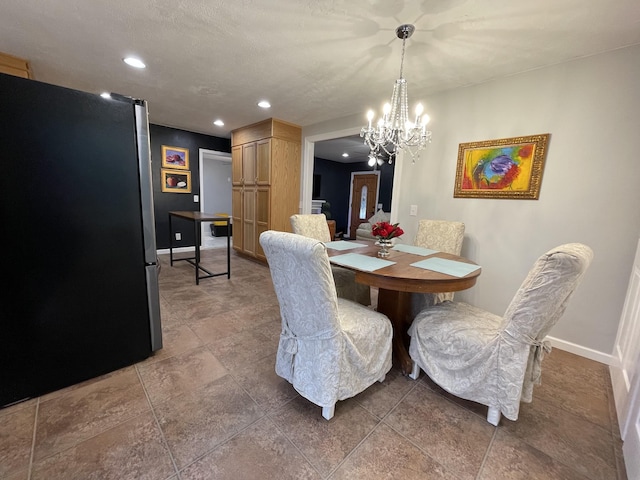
306 172
625 372
216 155
353 174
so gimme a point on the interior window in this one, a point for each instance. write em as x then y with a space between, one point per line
363 203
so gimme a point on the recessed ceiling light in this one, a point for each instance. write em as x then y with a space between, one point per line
345 154
134 62
264 104
105 95
219 123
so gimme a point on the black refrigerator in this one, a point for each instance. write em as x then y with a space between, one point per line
80 280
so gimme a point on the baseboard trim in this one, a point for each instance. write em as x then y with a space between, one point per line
589 353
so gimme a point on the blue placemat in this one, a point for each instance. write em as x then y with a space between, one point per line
361 262
342 245
449 267
425 252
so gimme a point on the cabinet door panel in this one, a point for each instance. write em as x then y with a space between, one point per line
262 217
262 206
236 165
236 217
249 221
263 162
249 163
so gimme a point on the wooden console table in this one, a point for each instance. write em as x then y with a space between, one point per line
197 218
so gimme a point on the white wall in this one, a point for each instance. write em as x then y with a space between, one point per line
589 191
215 184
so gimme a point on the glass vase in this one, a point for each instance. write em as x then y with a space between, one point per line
385 244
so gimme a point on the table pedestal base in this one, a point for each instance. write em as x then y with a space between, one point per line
397 306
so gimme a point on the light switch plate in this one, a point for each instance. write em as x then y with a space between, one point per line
196 198
413 210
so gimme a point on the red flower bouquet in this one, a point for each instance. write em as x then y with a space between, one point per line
386 231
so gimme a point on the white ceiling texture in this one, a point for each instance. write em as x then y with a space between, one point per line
314 60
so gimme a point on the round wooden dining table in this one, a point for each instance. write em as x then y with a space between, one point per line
395 284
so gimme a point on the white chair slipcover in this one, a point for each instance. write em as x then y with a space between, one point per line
330 348
495 360
444 236
315 226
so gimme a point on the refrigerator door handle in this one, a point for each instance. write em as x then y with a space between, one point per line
146 186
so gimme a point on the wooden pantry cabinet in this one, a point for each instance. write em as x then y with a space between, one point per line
14 66
265 173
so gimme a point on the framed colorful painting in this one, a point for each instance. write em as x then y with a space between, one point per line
504 168
175 157
175 181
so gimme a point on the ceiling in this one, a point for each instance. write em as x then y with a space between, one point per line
314 60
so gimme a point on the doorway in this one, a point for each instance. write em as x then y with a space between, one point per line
215 191
334 161
363 199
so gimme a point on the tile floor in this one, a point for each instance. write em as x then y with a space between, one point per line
209 406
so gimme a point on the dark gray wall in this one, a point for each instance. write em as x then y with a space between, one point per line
335 185
164 201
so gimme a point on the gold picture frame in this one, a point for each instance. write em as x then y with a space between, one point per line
175 181
175 157
503 168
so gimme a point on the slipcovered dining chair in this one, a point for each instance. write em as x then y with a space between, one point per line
330 348
315 226
444 236
495 360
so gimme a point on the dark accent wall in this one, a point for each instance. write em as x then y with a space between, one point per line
335 180
164 201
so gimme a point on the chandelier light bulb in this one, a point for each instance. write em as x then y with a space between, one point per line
370 115
386 109
372 160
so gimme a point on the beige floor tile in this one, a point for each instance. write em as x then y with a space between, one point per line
202 309
262 383
81 413
133 450
324 443
16 437
475 407
218 325
585 447
454 437
259 452
513 459
242 349
184 372
576 385
199 420
380 398
18 406
386 454
177 338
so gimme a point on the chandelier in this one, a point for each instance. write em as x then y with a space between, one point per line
394 131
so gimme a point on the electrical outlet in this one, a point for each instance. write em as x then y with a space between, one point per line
196 198
178 236
413 210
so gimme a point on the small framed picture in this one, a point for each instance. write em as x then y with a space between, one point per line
175 157
504 168
176 181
